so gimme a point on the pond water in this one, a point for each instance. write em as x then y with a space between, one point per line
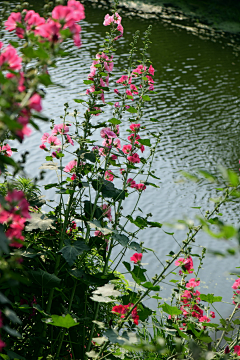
197 105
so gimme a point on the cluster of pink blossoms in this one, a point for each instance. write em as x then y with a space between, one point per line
114 19
186 264
136 258
9 60
63 17
123 309
236 287
127 80
14 214
53 141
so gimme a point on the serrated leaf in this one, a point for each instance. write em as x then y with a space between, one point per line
72 251
150 286
61 321
171 310
114 121
40 222
145 142
122 239
138 274
146 98
210 298
132 110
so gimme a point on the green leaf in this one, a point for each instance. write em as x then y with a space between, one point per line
154 224
71 252
114 121
88 82
132 110
138 274
127 265
139 221
207 175
79 101
171 310
61 321
48 158
153 120
11 331
146 98
114 337
45 79
210 298
135 246
49 186
149 285
145 142
12 316
122 239
44 279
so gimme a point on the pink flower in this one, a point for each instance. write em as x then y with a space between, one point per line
133 137
33 20
70 166
70 140
123 309
187 264
73 177
53 140
10 58
118 93
64 14
127 149
109 175
140 187
114 157
134 89
50 31
45 137
117 104
204 319
124 79
6 149
11 24
108 20
128 92
122 171
134 158
78 9
107 133
193 283
35 102
130 182
151 70
135 127
236 284
237 349
139 70
227 350
107 213
60 129
212 314
136 258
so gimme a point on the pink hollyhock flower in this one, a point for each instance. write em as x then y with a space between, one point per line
140 187
12 22
133 137
60 129
123 309
35 102
117 105
107 133
6 149
45 137
70 140
20 80
53 140
134 158
117 143
236 284
130 181
204 319
128 92
114 157
124 79
136 258
70 166
186 263
73 177
237 349
122 171
139 70
50 31
127 106
135 127
150 80
192 283
109 175
63 14
33 20
18 203
134 89
108 20
212 314
151 88
127 149
107 213
75 30
10 58
151 70
25 131
78 9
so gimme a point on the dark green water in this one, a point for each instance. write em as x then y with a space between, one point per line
198 84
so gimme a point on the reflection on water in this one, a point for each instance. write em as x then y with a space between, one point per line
197 105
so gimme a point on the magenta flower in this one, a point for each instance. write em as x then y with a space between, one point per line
130 182
193 283
187 264
135 127
151 70
107 133
134 89
204 319
136 258
60 129
73 177
212 314
109 175
33 20
140 187
134 158
78 9
237 349
50 31
12 22
70 166
123 309
124 80
236 284
6 149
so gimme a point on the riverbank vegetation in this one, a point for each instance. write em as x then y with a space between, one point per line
62 296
